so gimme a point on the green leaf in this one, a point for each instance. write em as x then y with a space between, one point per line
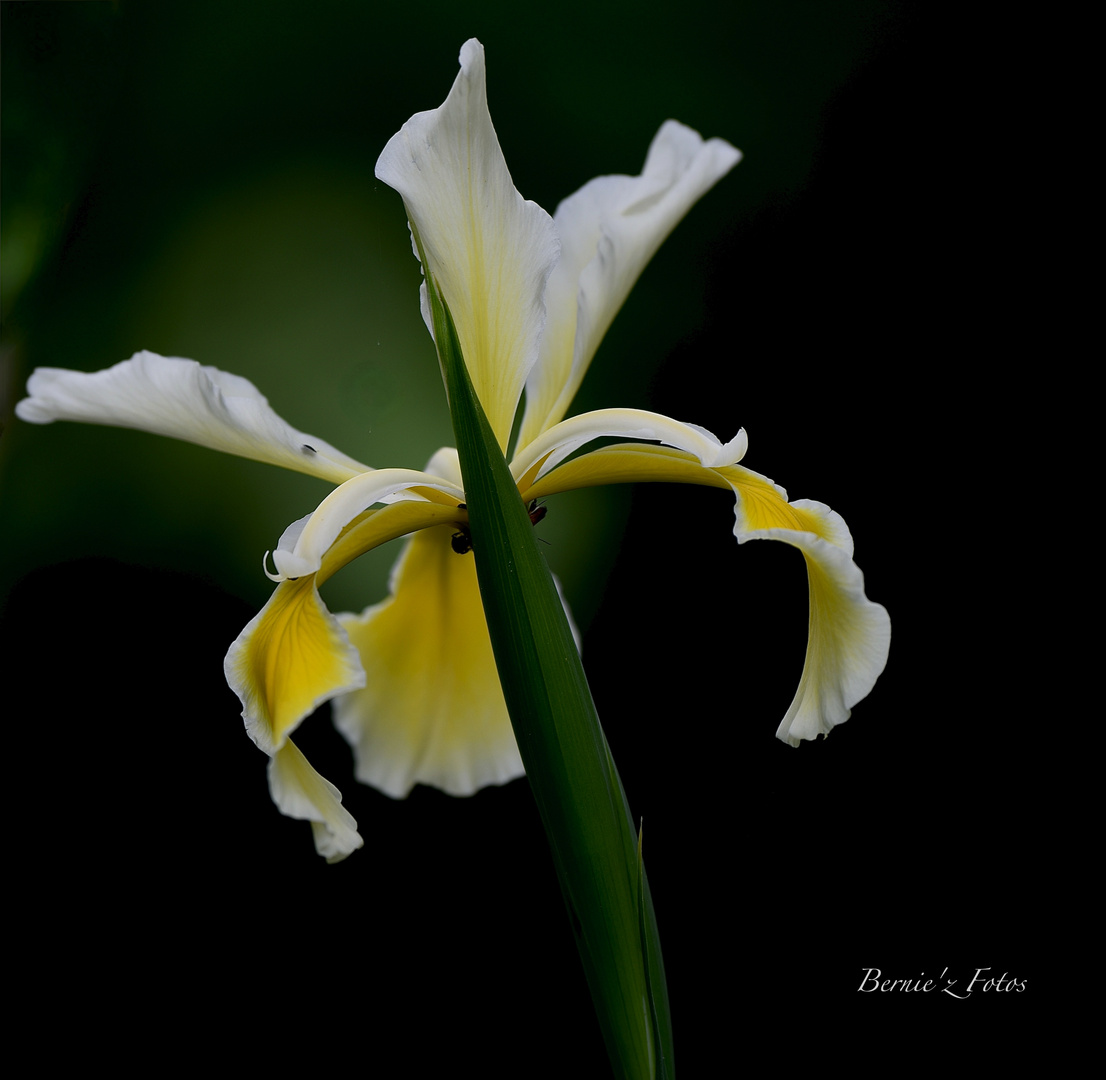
568 763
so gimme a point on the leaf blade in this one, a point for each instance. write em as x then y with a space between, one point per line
572 774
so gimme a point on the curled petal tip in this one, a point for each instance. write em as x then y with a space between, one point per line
733 451
300 792
847 647
277 577
713 453
849 635
290 566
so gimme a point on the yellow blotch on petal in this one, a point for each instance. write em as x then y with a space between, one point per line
763 506
432 709
293 656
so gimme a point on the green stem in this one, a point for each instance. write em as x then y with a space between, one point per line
579 794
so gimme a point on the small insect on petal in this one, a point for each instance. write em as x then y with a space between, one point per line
461 541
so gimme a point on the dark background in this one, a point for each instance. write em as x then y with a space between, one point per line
196 179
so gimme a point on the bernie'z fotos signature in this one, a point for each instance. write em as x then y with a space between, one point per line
982 982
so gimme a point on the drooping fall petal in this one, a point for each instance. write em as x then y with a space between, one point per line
847 641
183 400
431 710
300 792
293 656
290 658
609 230
849 635
490 251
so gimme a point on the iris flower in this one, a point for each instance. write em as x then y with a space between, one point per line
412 679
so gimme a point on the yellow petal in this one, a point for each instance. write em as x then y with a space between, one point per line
848 637
292 656
300 792
378 525
432 709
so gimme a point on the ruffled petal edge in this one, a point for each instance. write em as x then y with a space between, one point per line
300 792
432 710
848 640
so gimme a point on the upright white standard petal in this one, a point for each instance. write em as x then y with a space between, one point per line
609 230
489 250
184 400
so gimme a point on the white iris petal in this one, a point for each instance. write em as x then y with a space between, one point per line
184 400
490 250
609 230
340 507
